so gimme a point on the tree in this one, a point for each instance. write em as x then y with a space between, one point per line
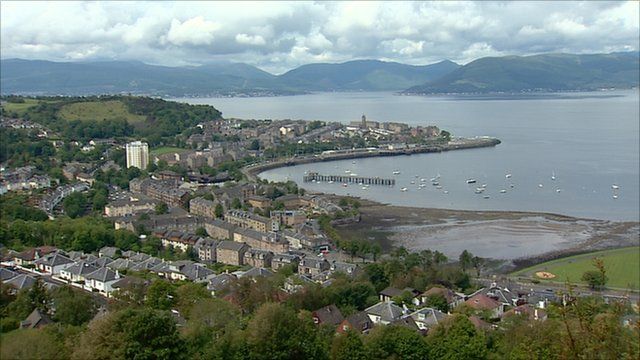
456 338
74 204
594 279
188 295
255 145
465 260
275 332
32 344
201 231
438 301
160 295
395 342
219 210
161 208
477 263
73 307
348 346
236 204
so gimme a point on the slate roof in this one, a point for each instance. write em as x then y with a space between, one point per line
360 321
257 271
407 322
231 245
103 275
54 259
21 281
35 319
219 282
194 271
128 281
428 316
109 251
102 261
482 302
81 268
329 314
6 274
121 264
387 310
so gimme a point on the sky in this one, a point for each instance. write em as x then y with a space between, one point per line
279 36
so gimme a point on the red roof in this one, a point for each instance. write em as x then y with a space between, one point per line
482 302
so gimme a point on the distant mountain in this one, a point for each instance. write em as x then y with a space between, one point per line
548 72
364 75
222 78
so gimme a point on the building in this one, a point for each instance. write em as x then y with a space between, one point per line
271 241
231 252
177 239
289 217
452 298
137 154
258 258
219 229
384 312
482 302
427 318
259 202
53 263
249 220
281 260
206 249
129 206
312 267
203 207
329 315
359 322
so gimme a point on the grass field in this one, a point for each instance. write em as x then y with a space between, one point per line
622 265
20 107
166 149
94 110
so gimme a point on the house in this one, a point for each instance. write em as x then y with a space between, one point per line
102 280
329 315
177 239
259 202
219 229
203 207
121 264
453 299
147 264
406 322
231 252
258 258
390 292
249 220
427 318
206 249
295 283
532 313
268 241
479 323
384 312
345 268
52 263
35 320
21 281
358 322
6 274
27 257
482 302
77 272
312 267
289 217
291 201
256 272
128 284
220 282
129 206
280 260
109 251
503 295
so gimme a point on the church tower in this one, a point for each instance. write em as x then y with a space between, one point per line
364 122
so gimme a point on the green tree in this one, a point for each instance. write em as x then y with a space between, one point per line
594 278
438 301
73 307
236 204
456 338
161 295
74 204
348 346
465 260
161 208
219 210
201 231
395 342
32 344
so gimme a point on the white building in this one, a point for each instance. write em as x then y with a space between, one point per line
137 155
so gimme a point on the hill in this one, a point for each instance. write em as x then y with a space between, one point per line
364 75
548 72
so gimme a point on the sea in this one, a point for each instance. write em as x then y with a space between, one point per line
573 154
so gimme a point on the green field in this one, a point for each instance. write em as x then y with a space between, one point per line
166 149
20 107
99 110
622 265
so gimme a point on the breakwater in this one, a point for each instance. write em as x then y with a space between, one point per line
314 176
252 171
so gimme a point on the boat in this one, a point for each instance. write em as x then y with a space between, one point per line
417 176
540 185
412 182
615 196
353 162
330 181
503 191
344 185
558 190
615 187
484 186
553 176
396 172
423 180
486 196
479 190
471 181
446 192
347 171
439 187
508 176
354 174
403 189
364 188
435 183
511 186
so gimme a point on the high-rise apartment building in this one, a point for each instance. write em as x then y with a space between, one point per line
137 155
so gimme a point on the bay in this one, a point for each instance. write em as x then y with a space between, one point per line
588 141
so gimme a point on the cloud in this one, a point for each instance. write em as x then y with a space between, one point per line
278 36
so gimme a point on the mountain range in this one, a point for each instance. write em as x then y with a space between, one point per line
549 72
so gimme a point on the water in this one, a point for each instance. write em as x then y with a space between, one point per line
589 141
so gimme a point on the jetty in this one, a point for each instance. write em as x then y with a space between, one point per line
346 179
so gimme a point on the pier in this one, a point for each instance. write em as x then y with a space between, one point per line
314 176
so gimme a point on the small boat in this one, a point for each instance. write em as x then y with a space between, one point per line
364 188
486 196
558 190
347 171
615 196
412 182
423 180
503 191
353 162
508 176
445 192
471 181
435 183
417 176
553 176
330 181
396 172
404 189
484 186
540 185
344 185
439 187
479 190
511 186
615 187
354 174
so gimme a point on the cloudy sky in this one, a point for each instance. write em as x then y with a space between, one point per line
279 36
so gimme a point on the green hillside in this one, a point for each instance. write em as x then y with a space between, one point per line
99 110
622 265
548 72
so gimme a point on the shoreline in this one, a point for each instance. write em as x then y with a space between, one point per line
252 171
